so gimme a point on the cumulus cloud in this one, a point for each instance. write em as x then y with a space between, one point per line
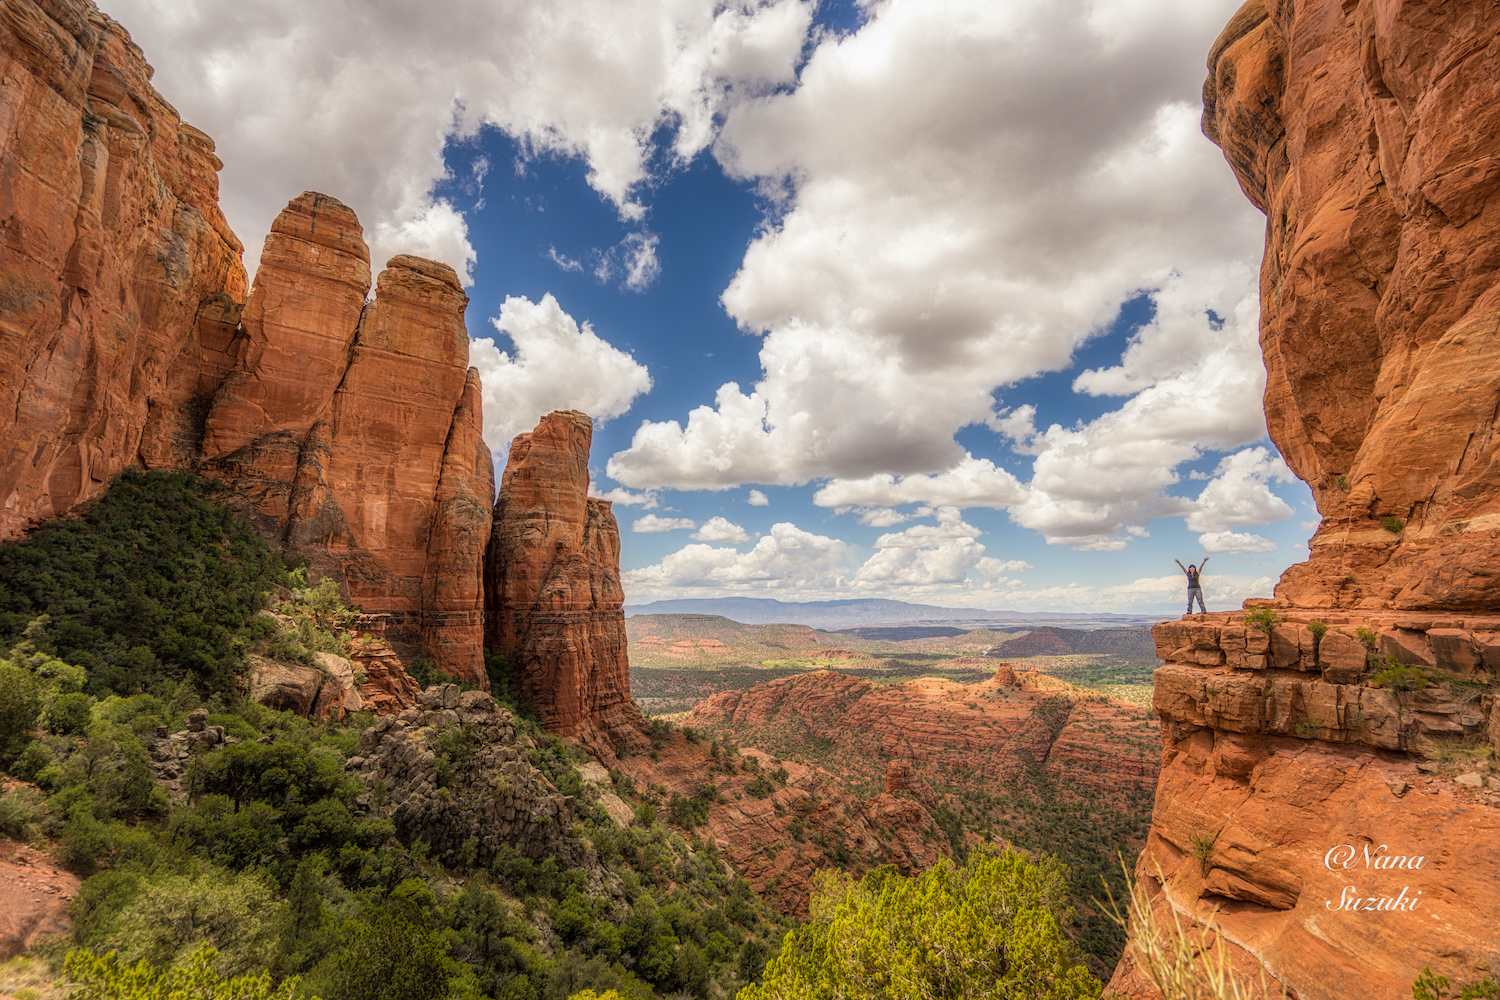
357 99
651 524
1235 541
1239 495
758 499
557 365
622 496
786 559
962 204
718 529
1095 485
973 482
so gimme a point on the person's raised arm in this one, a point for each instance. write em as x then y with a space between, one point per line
1180 565
1203 564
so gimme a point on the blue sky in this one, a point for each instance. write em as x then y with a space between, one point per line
987 296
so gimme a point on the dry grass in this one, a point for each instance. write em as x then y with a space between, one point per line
28 978
1179 960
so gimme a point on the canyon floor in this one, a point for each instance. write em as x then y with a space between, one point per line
856 751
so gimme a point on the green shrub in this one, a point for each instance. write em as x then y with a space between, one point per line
386 958
107 978
21 813
1307 728
70 713
1431 987
1341 482
1392 524
1399 677
1317 628
877 936
1264 619
20 706
154 583
1366 636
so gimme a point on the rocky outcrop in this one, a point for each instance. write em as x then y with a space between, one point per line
1286 744
127 338
552 581
1369 134
453 773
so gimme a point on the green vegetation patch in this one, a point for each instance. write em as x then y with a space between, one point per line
154 583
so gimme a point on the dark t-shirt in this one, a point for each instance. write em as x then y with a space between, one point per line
1192 576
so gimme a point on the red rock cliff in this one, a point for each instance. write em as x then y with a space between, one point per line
1368 131
126 338
552 580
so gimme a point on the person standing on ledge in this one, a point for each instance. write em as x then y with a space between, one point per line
1195 588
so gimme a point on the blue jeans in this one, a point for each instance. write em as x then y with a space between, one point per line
1198 593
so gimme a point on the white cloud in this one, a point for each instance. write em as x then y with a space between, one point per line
758 499
883 517
1239 495
563 260
1095 485
717 529
1235 541
358 99
651 524
787 560
965 202
556 366
931 560
623 497
973 482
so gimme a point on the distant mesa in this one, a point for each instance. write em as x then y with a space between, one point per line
849 614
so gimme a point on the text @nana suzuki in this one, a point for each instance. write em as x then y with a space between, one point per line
1345 857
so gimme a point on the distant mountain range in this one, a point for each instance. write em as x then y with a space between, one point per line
871 611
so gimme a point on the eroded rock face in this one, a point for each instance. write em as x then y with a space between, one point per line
1278 749
120 282
355 430
552 580
127 338
1368 131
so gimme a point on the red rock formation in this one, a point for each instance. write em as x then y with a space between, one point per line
1368 131
120 281
354 431
928 724
1280 748
552 577
773 835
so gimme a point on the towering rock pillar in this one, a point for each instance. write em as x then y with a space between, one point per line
1369 134
1349 722
354 429
552 582
126 338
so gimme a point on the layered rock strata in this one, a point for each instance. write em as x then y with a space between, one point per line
1368 131
552 581
1284 764
127 338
